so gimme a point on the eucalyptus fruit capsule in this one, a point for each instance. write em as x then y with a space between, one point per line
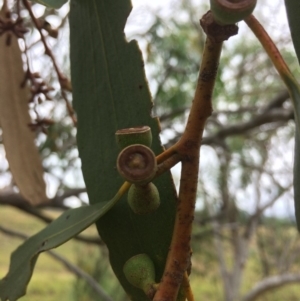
231 11
137 164
139 270
143 199
136 135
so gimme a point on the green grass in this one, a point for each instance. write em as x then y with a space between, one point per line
50 281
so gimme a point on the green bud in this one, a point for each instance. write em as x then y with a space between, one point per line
231 11
143 199
137 135
139 270
137 164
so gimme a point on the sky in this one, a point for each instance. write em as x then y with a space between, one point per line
140 14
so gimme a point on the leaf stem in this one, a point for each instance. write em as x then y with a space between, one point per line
166 154
268 45
277 61
122 190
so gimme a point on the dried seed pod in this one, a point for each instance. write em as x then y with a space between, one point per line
143 199
231 11
139 270
137 135
137 164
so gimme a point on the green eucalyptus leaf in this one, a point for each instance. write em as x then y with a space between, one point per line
111 93
297 178
52 3
23 259
294 91
293 12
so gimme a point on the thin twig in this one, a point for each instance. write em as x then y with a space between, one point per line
187 288
63 81
167 164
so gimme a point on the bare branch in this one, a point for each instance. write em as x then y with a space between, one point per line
270 283
260 210
9 197
64 82
70 266
277 101
274 116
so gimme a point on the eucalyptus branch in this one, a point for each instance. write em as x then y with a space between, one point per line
62 23
188 148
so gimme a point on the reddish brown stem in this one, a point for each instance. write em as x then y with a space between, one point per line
188 148
167 164
276 59
268 45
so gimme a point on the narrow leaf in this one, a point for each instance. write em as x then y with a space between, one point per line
52 3
293 12
23 259
111 93
294 90
21 152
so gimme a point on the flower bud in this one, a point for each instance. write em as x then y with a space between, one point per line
231 11
139 270
137 164
143 199
137 135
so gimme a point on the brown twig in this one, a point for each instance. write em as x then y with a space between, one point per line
65 84
167 164
268 45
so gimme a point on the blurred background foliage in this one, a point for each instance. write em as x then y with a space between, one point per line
244 230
